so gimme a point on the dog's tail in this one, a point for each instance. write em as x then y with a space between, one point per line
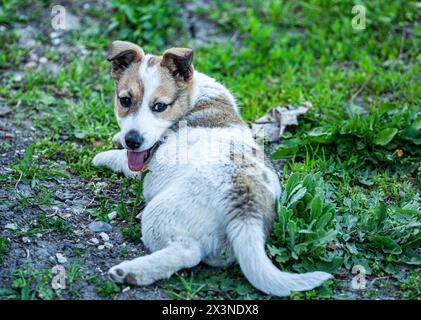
248 242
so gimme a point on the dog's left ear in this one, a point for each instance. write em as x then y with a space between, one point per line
121 54
179 62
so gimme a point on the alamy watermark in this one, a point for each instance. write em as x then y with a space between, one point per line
359 20
359 281
58 21
59 280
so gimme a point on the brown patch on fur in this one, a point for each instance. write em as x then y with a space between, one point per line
175 92
249 198
213 113
179 62
121 55
129 85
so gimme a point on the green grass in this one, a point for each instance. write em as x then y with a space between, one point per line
3 248
352 173
108 289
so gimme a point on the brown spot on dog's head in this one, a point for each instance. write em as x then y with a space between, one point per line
179 62
121 55
175 72
129 86
125 58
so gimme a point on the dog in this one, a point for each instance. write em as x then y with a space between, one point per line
210 193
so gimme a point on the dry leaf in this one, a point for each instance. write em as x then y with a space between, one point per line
273 124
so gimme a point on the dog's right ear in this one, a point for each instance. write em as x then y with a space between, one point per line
121 54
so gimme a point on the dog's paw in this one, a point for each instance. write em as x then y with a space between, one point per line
120 273
126 273
101 159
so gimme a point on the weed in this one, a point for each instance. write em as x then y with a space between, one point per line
3 248
107 289
122 252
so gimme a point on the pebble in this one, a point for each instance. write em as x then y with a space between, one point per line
125 289
5 110
101 247
18 78
11 226
30 65
93 241
43 60
26 240
60 258
100 226
108 245
55 41
112 215
138 216
104 236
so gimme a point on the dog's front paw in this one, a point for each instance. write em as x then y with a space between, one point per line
126 273
101 159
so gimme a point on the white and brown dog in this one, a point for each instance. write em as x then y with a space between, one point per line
210 194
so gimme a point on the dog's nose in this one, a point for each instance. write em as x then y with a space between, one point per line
133 139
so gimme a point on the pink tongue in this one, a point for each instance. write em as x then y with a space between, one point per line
136 160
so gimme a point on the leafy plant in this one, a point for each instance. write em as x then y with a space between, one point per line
305 223
107 289
381 136
150 23
44 224
3 247
30 285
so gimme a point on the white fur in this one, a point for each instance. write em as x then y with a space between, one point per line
205 87
186 190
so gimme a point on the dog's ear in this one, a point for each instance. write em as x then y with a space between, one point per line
179 62
121 54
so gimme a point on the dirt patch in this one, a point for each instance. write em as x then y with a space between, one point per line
31 248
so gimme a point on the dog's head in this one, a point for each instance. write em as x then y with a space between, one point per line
152 93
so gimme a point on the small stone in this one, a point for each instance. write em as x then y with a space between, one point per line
138 216
60 258
125 289
30 65
26 240
104 236
54 34
101 247
108 245
55 41
11 226
112 215
43 60
17 78
5 110
93 241
100 226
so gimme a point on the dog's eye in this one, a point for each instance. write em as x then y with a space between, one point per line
159 107
125 101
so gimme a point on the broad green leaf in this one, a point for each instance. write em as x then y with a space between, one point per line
316 207
387 244
381 214
297 196
292 182
385 136
327 266
324 220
